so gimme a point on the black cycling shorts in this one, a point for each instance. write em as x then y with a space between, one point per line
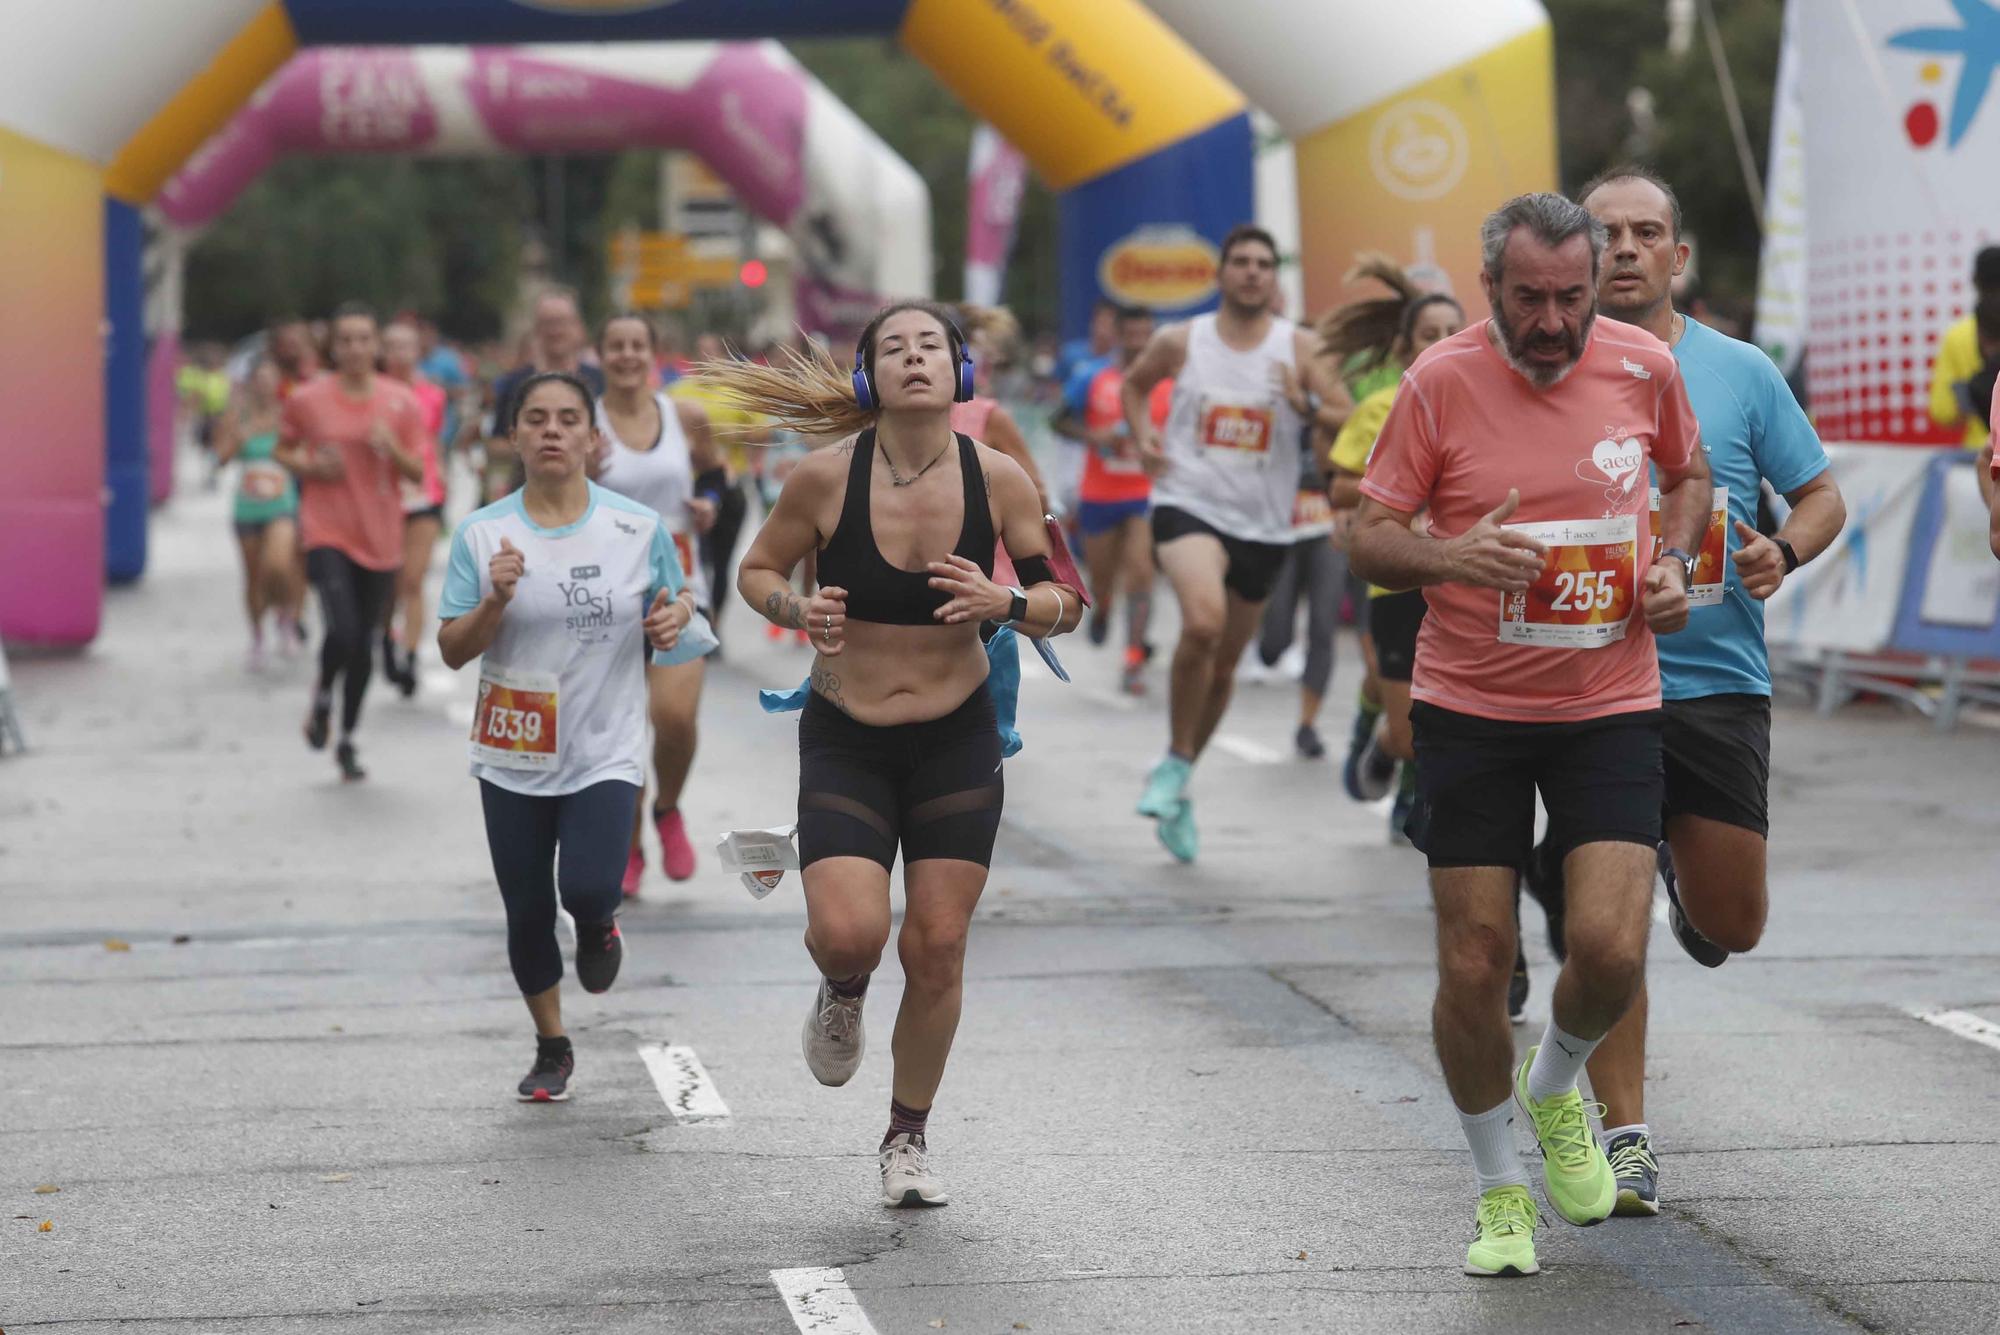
1253 566
1393 622
1600 779
933 788
1718 758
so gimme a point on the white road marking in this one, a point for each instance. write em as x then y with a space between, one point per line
1256 753
683 1082
821 1303
1963 1023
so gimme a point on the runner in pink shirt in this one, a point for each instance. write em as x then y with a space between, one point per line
350 438
1527 437
423 508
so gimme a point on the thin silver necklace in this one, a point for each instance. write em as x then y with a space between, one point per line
897 479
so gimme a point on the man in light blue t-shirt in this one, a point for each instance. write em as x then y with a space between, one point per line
1715 675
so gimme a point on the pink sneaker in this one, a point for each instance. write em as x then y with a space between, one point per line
676 853
635 871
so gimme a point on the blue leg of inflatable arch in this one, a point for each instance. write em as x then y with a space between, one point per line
1114 242
126 473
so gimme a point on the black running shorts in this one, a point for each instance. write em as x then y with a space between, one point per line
1253 566
1600 779
1393 622
933 788
1718 757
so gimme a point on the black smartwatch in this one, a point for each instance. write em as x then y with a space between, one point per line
1687 563
1791 557
1017 605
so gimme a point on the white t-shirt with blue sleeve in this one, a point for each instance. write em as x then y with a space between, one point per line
1753 430
574 625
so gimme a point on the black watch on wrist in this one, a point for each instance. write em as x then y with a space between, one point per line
1791 557
1017 605
1687 563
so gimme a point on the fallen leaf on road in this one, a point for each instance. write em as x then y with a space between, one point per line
182 938
937 1324
1301 1256
337 1029
336 1177
48 1226
113 943
1022 1325
47 1190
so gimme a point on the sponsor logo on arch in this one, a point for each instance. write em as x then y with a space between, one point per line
1160 268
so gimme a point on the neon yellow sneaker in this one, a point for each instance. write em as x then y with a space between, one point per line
1575 1173
1505 1244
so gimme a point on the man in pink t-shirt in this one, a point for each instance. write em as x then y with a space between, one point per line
351 438
1527 438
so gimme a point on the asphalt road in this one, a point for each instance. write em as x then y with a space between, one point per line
258 1029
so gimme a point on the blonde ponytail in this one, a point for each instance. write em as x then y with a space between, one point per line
806 392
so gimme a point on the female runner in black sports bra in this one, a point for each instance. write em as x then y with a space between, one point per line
898 744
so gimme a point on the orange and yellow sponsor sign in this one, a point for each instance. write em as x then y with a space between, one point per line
1160 268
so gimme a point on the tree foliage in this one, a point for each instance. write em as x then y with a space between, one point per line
1607 48
441 237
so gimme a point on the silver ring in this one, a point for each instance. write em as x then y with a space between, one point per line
828 635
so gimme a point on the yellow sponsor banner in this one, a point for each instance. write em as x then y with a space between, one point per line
1415 174
202 107
1160 268
1079 86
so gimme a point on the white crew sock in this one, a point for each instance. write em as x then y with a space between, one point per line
1496 1158
1558 1062
1612 1133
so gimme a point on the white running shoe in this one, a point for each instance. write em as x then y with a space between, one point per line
833 1041
906 1174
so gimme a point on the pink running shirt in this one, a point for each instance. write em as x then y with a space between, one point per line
362 513
1465 428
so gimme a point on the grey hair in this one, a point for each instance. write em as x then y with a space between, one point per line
1549 218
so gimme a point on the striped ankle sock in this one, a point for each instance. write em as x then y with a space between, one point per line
905 1120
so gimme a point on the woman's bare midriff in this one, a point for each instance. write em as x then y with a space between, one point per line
901 674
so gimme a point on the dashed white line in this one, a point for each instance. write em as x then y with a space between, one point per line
1255 753
1963 1023
821 1303
683 1083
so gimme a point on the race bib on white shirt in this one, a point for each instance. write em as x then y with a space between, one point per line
1236 428
515 718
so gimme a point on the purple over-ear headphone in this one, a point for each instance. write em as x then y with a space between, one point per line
864 379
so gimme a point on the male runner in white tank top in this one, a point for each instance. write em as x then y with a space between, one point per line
1226 472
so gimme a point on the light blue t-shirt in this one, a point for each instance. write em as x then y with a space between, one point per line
1752 429
574 629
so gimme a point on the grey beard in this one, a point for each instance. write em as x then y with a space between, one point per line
1542 377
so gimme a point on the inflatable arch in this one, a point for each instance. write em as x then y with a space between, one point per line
1397 108
858 215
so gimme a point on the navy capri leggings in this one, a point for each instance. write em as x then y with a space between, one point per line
574 845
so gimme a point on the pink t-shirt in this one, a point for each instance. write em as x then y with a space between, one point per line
1465 428
418 496
362 513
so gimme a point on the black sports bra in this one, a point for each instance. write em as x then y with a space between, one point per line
876 590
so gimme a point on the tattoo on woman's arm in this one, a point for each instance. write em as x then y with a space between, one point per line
785 609
828 684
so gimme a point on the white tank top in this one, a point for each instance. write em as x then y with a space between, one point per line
660 478
1232 440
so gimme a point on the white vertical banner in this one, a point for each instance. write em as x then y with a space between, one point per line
996 178
1846 600
1962 581
1781 267
1903 130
